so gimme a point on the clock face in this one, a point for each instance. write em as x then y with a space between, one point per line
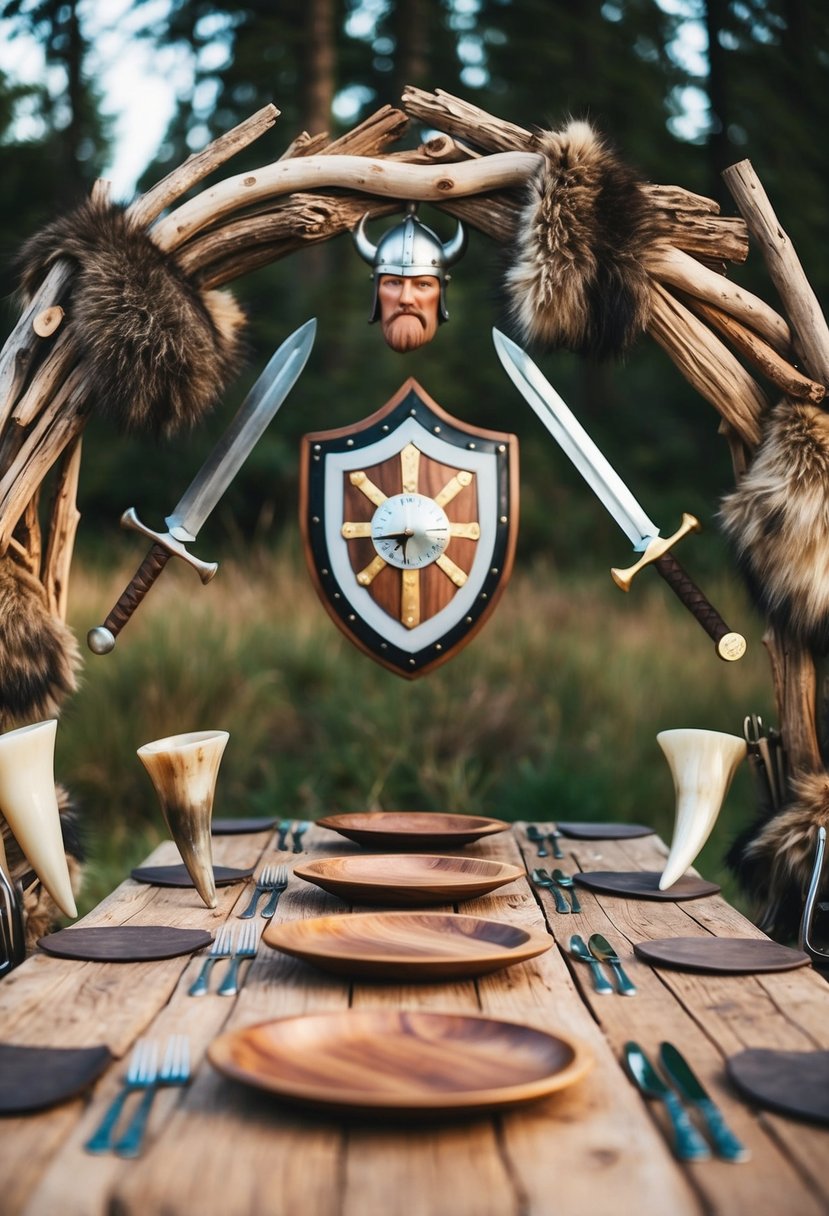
409 531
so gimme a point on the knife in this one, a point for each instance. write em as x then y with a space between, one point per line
688 1143
690 1088
601 949
579 950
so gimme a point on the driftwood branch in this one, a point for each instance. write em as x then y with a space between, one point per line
64 518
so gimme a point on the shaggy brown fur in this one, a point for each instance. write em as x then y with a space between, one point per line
778 522
774 858
40 912
38 654
577 279
157 350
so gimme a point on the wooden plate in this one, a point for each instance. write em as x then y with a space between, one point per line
791 1082
729 955
394 1061
124 943
410 879
177 876
412 829
32 1078
644 884
603 831
406 945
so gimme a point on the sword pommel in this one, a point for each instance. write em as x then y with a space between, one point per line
655 549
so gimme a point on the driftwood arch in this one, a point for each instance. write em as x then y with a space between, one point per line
739 353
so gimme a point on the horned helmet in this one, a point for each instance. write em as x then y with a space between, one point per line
410 249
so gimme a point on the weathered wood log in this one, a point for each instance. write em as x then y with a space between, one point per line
799 301
64 518
794 676
708 364
747 343
371 175
467 122
676 269
23 344
51 373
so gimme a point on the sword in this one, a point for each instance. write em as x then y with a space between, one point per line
616 497
207 487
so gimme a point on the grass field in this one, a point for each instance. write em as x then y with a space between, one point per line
551 711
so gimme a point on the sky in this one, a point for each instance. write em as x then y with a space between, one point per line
140 83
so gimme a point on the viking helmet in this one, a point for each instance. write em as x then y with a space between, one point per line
410 249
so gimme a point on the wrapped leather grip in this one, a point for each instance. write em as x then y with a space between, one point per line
102 639
729 645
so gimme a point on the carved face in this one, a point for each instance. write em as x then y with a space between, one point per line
408 309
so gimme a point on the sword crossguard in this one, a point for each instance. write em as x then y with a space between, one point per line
656 548
729 645
101 639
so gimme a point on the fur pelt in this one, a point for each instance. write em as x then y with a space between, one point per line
773 859
577 279
157 350
41 913
39 656
777 520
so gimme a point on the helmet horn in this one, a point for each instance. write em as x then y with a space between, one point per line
453 248
366 250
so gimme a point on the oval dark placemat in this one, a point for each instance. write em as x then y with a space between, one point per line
790 1082
644 884
177 876
124 943
32 1078
240 827
729 955
603 831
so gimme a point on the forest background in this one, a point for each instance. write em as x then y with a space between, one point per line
553 709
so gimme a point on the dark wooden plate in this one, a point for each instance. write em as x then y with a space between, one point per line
393 1061
791 1082
412 829
603 831
407 879
406 945
124 943
644 884
238 827
32 1078
730 955
177 876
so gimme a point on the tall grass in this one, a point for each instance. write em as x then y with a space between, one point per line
551 711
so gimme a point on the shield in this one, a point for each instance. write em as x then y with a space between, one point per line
409 521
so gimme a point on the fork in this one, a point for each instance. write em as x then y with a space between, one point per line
245 949
222 947
564 880
542 879
554 836
141 1073
175 1070
299 831
265 882
536 836
279 884
284 828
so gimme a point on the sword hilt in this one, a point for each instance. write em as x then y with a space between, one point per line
101 639
729 644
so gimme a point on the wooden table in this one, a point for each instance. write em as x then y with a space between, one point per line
218 1147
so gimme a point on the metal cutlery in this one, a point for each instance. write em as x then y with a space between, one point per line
554 836
689 1087
542 879
141 1072
175 1070
688 1143
264 883
564 880
246 949
280 882
601 949
283 829
222 947
578 948
536 836
299 831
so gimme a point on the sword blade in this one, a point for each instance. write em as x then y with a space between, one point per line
235 445
572 438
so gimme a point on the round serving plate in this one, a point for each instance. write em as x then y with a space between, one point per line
408 879
412 829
